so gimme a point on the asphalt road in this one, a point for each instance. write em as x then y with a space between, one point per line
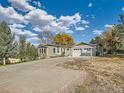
42 76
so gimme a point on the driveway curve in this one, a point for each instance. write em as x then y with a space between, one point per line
42 76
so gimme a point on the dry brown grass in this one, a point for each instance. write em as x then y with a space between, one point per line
106 75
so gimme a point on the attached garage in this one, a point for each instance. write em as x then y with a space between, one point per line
83 50
76 52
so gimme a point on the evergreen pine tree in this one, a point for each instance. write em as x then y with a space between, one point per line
7 42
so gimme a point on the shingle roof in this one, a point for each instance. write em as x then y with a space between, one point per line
42 46
56 45
82 43
82 46
45 46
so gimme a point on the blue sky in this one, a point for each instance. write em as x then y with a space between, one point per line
83 19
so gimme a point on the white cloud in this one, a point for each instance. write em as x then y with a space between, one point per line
80 28
29 33
108 26
42 21
48 28
60 29
18 32
97 32
69 31
17 25
90 5
65 22
39 20
85 22
37 3
122 9
21 5
68 20
10 15
37 29
34 39
86 26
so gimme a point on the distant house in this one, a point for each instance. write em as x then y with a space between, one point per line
52 50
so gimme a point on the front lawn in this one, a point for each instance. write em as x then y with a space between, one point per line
106 75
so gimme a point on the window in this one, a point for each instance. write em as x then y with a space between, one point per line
67 49
57 50
80 49
54 50
88 49
42 51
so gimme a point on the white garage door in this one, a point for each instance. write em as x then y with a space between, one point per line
76 52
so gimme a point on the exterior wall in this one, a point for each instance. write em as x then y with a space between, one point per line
54 51
67 51
83 51
94 52
87 52
51 52
44 54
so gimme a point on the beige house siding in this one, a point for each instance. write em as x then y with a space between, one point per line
41 52
84 50
53 51
94 52
67 51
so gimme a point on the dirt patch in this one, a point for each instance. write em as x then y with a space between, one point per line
106 74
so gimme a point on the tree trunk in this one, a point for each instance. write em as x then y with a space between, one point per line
4 61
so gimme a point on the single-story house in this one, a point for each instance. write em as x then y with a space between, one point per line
53 50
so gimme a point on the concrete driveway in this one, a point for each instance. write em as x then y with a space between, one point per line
42 76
